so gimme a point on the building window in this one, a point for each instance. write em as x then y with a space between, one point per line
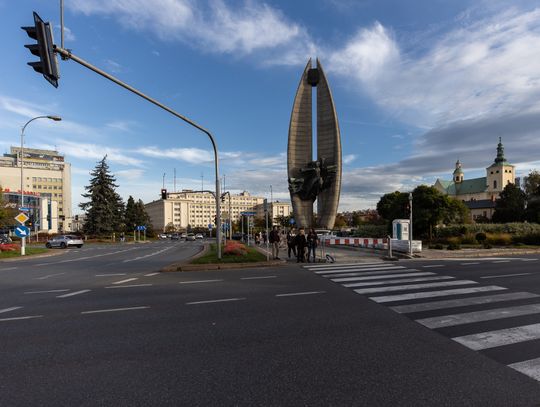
495 184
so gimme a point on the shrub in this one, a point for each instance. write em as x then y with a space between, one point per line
371 231
468 238
437 246
454 246
481 237
9 247
234 248
499 239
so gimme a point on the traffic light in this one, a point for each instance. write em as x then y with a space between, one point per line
223 198
163 193
44 49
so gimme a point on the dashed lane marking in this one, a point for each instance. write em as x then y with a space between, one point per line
501 261
199 281
9 268
214 301
49 276
72 294
111 274
507 275
98 311
300 293
46 291
151 274
9 309
129 286
257 278
434 265
127 280
469 264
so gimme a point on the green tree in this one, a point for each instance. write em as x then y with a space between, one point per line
393 206
532 183
340 221
130 215
532 189
456 212
510 207
7 212
105 209
429 208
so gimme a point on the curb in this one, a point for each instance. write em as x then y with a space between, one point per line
33 256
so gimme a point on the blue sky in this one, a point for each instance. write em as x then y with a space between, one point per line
417 85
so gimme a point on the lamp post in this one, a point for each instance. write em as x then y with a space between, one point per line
56 119
410 224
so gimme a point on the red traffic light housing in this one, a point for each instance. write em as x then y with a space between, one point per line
44 49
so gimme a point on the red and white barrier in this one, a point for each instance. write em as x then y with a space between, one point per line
380 243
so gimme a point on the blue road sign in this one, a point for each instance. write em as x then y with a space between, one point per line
210 226
141 227
24 209
22 231
292 221
248 213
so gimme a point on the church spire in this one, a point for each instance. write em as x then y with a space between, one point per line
500 153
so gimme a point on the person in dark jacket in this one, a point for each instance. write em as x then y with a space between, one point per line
312 243
291 246
300 243
274 241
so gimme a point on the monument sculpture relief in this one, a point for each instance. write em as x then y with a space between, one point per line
309 179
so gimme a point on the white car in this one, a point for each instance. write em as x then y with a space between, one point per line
190 237
64 241
199 236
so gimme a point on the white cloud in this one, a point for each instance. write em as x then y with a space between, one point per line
68 34
349 158
216 26
120 125
131 175
113 66
190 155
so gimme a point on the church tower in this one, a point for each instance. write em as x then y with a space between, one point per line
500 173
458 173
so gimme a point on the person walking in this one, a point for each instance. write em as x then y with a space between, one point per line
300 243
312 243
274 241
291 246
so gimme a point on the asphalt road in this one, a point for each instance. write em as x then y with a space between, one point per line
100 326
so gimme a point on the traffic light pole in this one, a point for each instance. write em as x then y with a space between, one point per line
66 54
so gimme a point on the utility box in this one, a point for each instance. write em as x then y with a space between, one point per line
400 229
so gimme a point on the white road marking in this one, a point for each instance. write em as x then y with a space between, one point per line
479 316
318 266
438 293
214 301
130 286
528 367
257 278
370 273
9 309
151 274
300 293
72 294
199 281
501 261
409 287
42 264
381 277
148 255
402 280
330 271
9 268
46 291
434 265
529 259
125 281
19 318
469 264
488 299
501 337
98 311
507 275
49 276
111 274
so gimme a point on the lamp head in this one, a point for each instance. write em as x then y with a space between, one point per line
55 118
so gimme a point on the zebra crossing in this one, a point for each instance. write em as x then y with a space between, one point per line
450 305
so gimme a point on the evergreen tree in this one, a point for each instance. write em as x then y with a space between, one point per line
532 189
105 209
510 207
130 216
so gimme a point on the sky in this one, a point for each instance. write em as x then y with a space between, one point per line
417 85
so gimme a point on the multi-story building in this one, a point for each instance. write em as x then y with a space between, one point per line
198 209
47 177
480 194
276 210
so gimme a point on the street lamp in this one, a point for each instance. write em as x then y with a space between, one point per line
50 117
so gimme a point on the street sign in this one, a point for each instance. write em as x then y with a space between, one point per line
22 231
248 213
24 209
141 227
210 226
21 218
292 221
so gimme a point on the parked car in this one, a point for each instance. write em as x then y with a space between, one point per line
162 236
199 236
175 236
64 241
183 236
190 237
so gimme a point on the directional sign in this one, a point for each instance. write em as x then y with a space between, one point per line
24 209
22 231
21 218
141 227
210 226
248 213
291 221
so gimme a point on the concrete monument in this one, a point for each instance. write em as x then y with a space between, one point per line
310 179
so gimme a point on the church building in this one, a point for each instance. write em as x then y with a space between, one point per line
479 194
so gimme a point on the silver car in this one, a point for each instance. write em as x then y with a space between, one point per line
64 241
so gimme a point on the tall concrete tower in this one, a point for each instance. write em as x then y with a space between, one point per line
309 179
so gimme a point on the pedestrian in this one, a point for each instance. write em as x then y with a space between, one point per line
300 243
312 243
291 246
274 241
264 237
257 239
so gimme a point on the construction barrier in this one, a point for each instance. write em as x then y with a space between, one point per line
379 243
